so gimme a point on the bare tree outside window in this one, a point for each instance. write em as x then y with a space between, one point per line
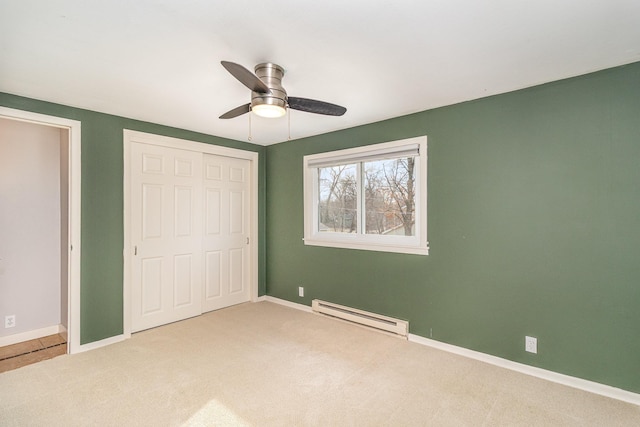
389 197
338 199
389 187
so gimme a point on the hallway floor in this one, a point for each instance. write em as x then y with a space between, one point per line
25 353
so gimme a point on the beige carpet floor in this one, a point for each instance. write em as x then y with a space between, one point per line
262 364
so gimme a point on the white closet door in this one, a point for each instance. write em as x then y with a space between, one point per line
226 231
166 202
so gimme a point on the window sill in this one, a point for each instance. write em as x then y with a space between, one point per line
366 246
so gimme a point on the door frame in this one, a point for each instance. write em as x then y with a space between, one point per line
130 137
73 213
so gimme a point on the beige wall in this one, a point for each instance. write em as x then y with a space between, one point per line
30 226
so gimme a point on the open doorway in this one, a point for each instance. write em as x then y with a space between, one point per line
39 224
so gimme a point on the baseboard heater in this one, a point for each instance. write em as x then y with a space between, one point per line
363 318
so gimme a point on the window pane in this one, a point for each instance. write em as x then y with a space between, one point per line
389 196
337 204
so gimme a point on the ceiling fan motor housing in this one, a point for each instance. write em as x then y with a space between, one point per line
271 74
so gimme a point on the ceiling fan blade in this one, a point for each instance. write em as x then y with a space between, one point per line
317 107
246 77
238 111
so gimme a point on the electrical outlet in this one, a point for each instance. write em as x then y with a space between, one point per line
531 344
300 291
10 321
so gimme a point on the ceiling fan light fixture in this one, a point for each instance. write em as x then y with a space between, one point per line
268 98
269 111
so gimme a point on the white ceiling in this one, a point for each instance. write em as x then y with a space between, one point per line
159 60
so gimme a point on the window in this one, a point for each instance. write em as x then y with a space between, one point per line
371 198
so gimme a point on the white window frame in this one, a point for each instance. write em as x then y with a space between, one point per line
417 244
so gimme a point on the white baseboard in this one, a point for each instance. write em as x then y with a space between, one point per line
32 335
287 303
578 383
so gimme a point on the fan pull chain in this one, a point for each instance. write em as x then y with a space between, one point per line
289 120
249 139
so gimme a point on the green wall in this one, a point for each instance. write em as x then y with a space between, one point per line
534 228
534 225
102 208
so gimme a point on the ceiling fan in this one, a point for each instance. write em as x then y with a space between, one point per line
268 97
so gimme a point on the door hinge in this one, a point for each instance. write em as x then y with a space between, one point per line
247 240
135 250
